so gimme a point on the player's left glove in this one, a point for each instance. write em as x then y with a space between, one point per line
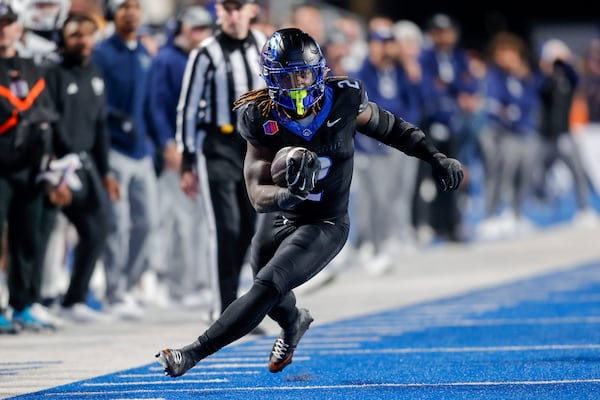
447 172
301 174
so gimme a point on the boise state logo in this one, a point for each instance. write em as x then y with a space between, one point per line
270 127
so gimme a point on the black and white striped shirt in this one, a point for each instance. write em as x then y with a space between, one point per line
217 73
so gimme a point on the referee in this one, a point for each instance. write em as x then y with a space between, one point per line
224 67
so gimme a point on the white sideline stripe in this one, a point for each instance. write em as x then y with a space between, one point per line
391 325
219 361
256 353
526 321
389 330
226 365
324 387
314 345
454 319
314 338
190 373
466 349
161 382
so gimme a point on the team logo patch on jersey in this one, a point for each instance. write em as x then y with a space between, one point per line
97 86
270 127
72 88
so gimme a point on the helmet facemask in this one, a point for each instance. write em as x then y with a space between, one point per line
296 88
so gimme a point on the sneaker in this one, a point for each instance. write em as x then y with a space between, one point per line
379 265
6 326
126 309
177 362
585 219
27 321
283 349
202 299
44 314
82 313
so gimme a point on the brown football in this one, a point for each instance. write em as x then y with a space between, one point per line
279 163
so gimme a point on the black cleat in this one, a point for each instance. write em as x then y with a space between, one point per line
283 349
177 362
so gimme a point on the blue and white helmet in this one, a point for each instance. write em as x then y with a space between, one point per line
293 66
45 15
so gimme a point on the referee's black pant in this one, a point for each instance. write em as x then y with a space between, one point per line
235 220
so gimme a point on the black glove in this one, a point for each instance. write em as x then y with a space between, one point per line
301 173
447 172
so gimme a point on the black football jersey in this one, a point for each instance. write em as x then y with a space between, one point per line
330 135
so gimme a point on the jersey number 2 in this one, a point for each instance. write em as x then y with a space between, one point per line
323 172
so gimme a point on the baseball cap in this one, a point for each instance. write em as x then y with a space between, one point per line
441 21
555 49
197 16
6 12
381 34
114 5
242 2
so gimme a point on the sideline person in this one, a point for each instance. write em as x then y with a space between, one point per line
223 68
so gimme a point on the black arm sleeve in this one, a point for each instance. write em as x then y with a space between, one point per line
396 132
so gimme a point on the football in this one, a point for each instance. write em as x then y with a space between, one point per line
280 161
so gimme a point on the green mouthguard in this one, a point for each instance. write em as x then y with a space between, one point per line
298 96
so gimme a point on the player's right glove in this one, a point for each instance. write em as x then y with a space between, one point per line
447 172
301 173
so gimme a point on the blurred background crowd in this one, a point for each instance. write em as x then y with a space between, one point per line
515 99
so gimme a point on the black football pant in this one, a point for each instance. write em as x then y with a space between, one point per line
283 256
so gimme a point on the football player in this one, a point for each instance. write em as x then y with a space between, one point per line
306 223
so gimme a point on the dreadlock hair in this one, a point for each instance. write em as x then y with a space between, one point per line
260 97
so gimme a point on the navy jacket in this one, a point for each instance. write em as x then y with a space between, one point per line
168 69
127 77
406 103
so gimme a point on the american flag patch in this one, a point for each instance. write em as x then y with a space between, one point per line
270 127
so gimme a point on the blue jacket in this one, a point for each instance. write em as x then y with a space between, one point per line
513 104
127 76
168 69
442 85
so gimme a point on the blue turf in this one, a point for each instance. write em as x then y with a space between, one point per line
533 339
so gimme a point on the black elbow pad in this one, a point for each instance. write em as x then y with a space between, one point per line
380 124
